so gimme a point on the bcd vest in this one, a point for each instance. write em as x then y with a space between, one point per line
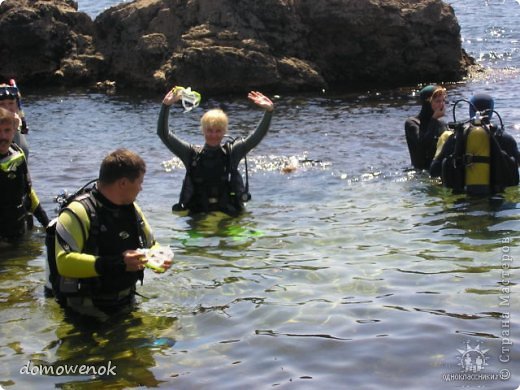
478 164
13 196
211 183
104 237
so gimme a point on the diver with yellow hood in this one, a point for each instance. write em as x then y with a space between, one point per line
477 157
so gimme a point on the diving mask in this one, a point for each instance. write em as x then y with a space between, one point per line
156 257
8 92
190 99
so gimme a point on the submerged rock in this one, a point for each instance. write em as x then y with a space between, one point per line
235 45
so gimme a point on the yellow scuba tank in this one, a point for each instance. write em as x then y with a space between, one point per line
477 161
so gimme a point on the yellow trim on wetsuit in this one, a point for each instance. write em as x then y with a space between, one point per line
441 141
70 261
149 238
34 200
12 161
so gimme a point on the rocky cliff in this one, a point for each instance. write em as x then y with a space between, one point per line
221 46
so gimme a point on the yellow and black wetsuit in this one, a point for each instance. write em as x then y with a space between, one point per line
17 197
89 258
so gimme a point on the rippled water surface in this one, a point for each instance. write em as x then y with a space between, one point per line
347 271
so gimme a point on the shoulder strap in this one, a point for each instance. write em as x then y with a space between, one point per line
459 149
91 206
227 149
16 147
143 242
195 154
227 152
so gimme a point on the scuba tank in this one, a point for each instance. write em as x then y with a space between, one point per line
478 165
477 160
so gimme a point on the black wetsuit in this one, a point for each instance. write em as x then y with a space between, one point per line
211 165
422 133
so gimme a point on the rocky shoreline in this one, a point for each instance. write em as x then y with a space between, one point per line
229 46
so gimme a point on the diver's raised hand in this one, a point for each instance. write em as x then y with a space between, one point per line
173 96
261 100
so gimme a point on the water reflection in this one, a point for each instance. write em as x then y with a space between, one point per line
122 350
475 223
340 266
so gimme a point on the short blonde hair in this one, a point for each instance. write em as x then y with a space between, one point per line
214 118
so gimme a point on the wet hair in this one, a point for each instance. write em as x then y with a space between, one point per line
121 163
482 103
214 118
7 116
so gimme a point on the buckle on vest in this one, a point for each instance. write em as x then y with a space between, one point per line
212 200
470 159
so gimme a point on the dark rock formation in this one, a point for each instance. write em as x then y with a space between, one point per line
47 41
221 46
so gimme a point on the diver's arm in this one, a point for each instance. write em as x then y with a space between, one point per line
35 207
512 148
436 168
41 215
436 165
150 240
37 210
411 126
177 146
242 147
71 236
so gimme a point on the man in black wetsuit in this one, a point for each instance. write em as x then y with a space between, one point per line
17 197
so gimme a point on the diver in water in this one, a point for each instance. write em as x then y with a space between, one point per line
212 181
480 158
96 253
423 130
10 100
18 201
